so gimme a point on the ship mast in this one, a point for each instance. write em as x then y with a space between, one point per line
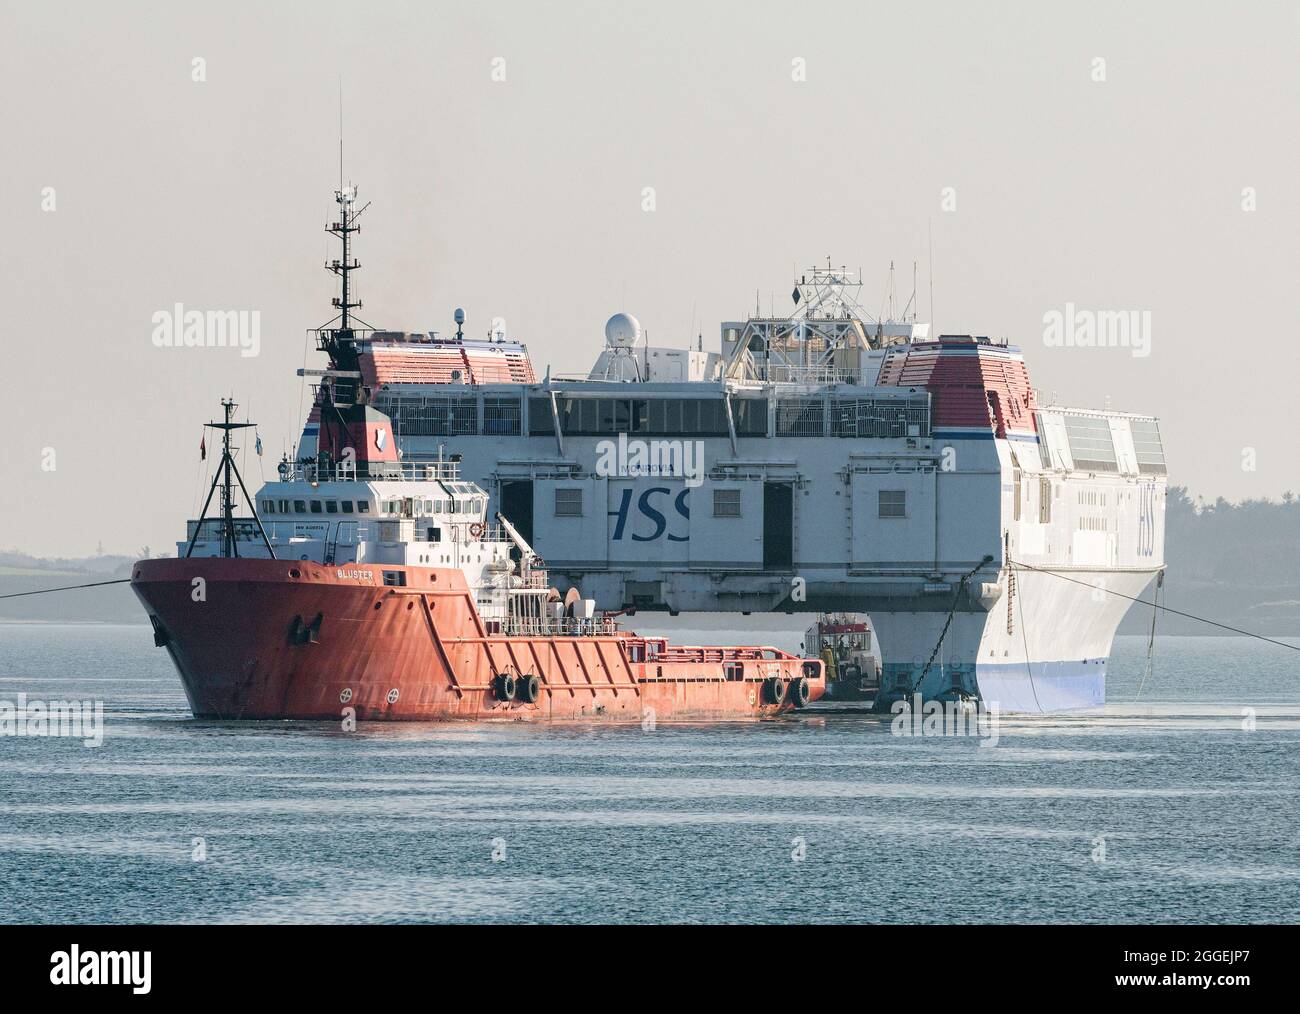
346 225
222 476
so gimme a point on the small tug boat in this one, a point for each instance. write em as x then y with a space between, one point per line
844 643
360 582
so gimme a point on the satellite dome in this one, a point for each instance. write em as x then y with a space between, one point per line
622 330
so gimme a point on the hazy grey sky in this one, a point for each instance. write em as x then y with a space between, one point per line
522 199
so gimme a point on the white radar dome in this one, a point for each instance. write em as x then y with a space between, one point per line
622 331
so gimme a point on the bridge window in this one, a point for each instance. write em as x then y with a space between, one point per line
300 506
892 503
799 417
568 503
701 417
540 422
331 506
315 507
749 416
363 507
1091 445
502 416
880 417
1146 443
435 416
346 505
726 503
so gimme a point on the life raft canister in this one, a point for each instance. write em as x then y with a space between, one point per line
528 689
503 686
774 689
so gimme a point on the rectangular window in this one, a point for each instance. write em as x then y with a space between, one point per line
315 507
346 505
363 507
501 416
395 578
1091 445
799 417
568 503
300 506
1146 444
892 503
284 506
726 503
540 421
331 506
880 417
750 416
268 506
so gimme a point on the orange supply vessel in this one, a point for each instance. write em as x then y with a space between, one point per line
361 582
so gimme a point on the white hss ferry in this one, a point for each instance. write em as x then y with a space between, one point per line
821 461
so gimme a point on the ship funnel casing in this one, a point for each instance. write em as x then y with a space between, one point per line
364 431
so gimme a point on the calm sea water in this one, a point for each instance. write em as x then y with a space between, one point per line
302 822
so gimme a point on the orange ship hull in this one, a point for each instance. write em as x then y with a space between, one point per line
275 639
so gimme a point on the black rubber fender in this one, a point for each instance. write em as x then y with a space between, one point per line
800 692
503 686
528 689
774 690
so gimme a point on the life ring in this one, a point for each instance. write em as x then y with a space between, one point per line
503 686
528 689
477 529
774 689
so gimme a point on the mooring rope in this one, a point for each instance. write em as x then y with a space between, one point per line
70 587
1156 605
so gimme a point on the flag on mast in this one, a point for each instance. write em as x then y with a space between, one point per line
259 445
203 447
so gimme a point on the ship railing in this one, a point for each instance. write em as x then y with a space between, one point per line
564 626
213 530
812 375
324 335
388 471
335 535
702 654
